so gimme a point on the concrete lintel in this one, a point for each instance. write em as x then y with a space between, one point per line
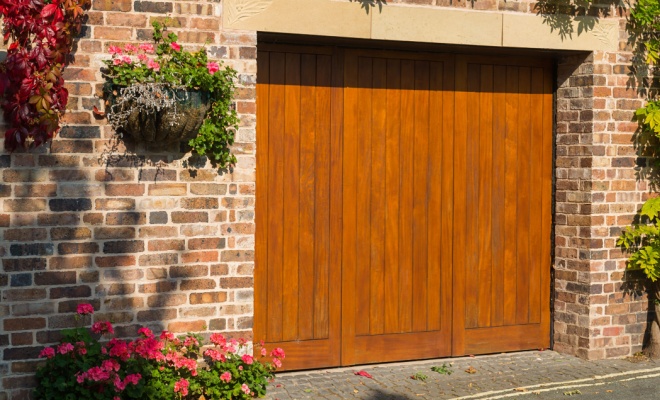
417 24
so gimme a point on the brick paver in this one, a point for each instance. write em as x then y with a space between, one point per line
501 372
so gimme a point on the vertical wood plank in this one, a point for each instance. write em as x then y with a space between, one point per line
275 195
497 239
379 127
406 189
420 199
322 200
460 210
472 198
446 292
363 289
307 196
485 195
536 213
510 195
349 207
261 212
292 198
523 208
335 191
392 196
434 244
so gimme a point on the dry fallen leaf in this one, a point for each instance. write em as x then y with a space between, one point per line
520 389
609 391
537 392
364 373
471 370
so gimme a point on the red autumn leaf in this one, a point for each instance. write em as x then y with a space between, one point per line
98 113
364 373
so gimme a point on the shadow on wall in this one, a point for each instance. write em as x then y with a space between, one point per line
368 5
140 237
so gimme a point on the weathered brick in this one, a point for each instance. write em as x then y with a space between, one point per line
23 324
55 278
153 7
70 292
166 300
206 243
112 5
208 297
167 189
184 217
70 204
70 233
123 246
77 248
186 326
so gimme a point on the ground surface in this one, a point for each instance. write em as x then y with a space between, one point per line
525 375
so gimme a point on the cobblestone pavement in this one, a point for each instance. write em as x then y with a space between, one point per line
541 374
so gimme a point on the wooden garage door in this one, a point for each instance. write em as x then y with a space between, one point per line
403 205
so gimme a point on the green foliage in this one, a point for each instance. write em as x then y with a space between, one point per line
166 62
642 240
420 376
443 370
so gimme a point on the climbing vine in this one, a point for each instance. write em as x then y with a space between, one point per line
40 36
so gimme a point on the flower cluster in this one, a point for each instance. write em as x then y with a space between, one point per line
156 367
41 35
163 67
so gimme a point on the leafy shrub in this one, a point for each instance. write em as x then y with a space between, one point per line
163 367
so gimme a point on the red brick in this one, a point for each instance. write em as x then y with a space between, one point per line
183 217
75 262
208 297
168 189
124 189
199 256
189 326
112 5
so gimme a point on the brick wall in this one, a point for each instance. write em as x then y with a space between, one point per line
151 241
600 311
143 235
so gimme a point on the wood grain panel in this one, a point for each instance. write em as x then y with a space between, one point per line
523 195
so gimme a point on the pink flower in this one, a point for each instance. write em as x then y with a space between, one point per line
213 67
151 64
114 50
146 332
110 365
248 359
116 61
119 349
130 49
182 387
175 46
215 355
226 376
102 327
143 58
277 362
245 388
217 339
81 348
65 348
190 341
48 352
84 309
126 60
147 48
263 352
133 379
165 335
277 352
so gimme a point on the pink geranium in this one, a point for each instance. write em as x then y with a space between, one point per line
48 352
181 387
84 309
245 389
248 359
151 64
65 348
126 60
213 67
147 48
130 49
226 376
175 46
114 50
217 339
277 352
102 327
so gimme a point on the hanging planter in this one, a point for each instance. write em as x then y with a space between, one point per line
159 94
158 115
